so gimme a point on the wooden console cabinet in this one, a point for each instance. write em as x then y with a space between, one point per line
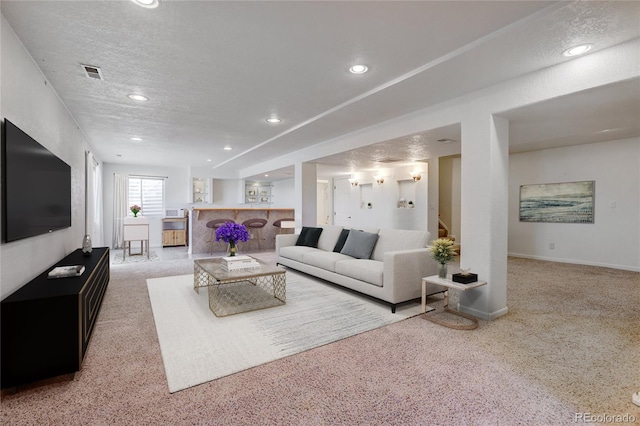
174 231
46 324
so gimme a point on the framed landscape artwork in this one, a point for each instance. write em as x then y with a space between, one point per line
565 202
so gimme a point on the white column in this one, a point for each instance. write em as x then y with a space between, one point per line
305 188
484 221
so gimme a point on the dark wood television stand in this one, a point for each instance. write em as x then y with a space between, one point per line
46 324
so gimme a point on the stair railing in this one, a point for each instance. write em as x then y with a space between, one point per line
443 225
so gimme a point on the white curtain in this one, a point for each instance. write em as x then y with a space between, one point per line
120 208
93 219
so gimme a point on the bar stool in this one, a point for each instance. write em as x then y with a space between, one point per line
281 229
254 226
214 225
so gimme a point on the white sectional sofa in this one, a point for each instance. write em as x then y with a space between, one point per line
392 273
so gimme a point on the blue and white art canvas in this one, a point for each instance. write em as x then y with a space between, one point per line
565 202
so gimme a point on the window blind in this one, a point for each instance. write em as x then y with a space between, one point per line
148 193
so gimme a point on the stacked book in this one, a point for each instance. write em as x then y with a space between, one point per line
235 263
66 271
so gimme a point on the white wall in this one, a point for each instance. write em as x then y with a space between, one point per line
227 193
283 193
230 192
29 102
384 211
614 239
176 191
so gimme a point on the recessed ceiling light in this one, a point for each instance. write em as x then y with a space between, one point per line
136 139
149 4
273 120
578 50
137 97
209 159
358 69
227 148
266 175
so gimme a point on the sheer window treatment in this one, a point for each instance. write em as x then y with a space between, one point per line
93 219
120 208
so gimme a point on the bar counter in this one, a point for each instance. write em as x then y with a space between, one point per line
201 235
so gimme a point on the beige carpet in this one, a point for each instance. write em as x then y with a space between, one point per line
568 345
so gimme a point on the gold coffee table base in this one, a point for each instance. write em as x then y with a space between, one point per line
447 283
233 292
472 326
244 296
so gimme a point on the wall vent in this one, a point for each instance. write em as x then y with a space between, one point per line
92 71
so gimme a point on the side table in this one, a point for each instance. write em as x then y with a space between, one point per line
135 229
447 283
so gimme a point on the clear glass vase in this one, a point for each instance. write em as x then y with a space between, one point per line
442 272
232 249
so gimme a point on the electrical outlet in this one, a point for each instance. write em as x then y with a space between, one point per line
552 246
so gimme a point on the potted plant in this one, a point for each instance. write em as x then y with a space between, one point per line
410 204
443 252
369 205
135 209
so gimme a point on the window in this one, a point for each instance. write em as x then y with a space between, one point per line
148 193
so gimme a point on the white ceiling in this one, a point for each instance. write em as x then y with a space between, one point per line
214 70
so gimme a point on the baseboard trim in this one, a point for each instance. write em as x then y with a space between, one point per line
487 316
576 262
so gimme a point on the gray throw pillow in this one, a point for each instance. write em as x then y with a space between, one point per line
359 244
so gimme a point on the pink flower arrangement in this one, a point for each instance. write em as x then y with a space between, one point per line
135 209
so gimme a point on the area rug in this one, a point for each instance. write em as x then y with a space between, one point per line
198 347
116 257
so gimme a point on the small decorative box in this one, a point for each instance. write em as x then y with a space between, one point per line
464 279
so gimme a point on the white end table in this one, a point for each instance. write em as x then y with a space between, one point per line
447 283
135 229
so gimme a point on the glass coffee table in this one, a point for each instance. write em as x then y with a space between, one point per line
233 292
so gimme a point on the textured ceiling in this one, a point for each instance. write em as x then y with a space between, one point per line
213 71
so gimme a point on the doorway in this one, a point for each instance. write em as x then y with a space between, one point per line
323 204
342 202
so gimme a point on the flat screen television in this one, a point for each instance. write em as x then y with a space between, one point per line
36 187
